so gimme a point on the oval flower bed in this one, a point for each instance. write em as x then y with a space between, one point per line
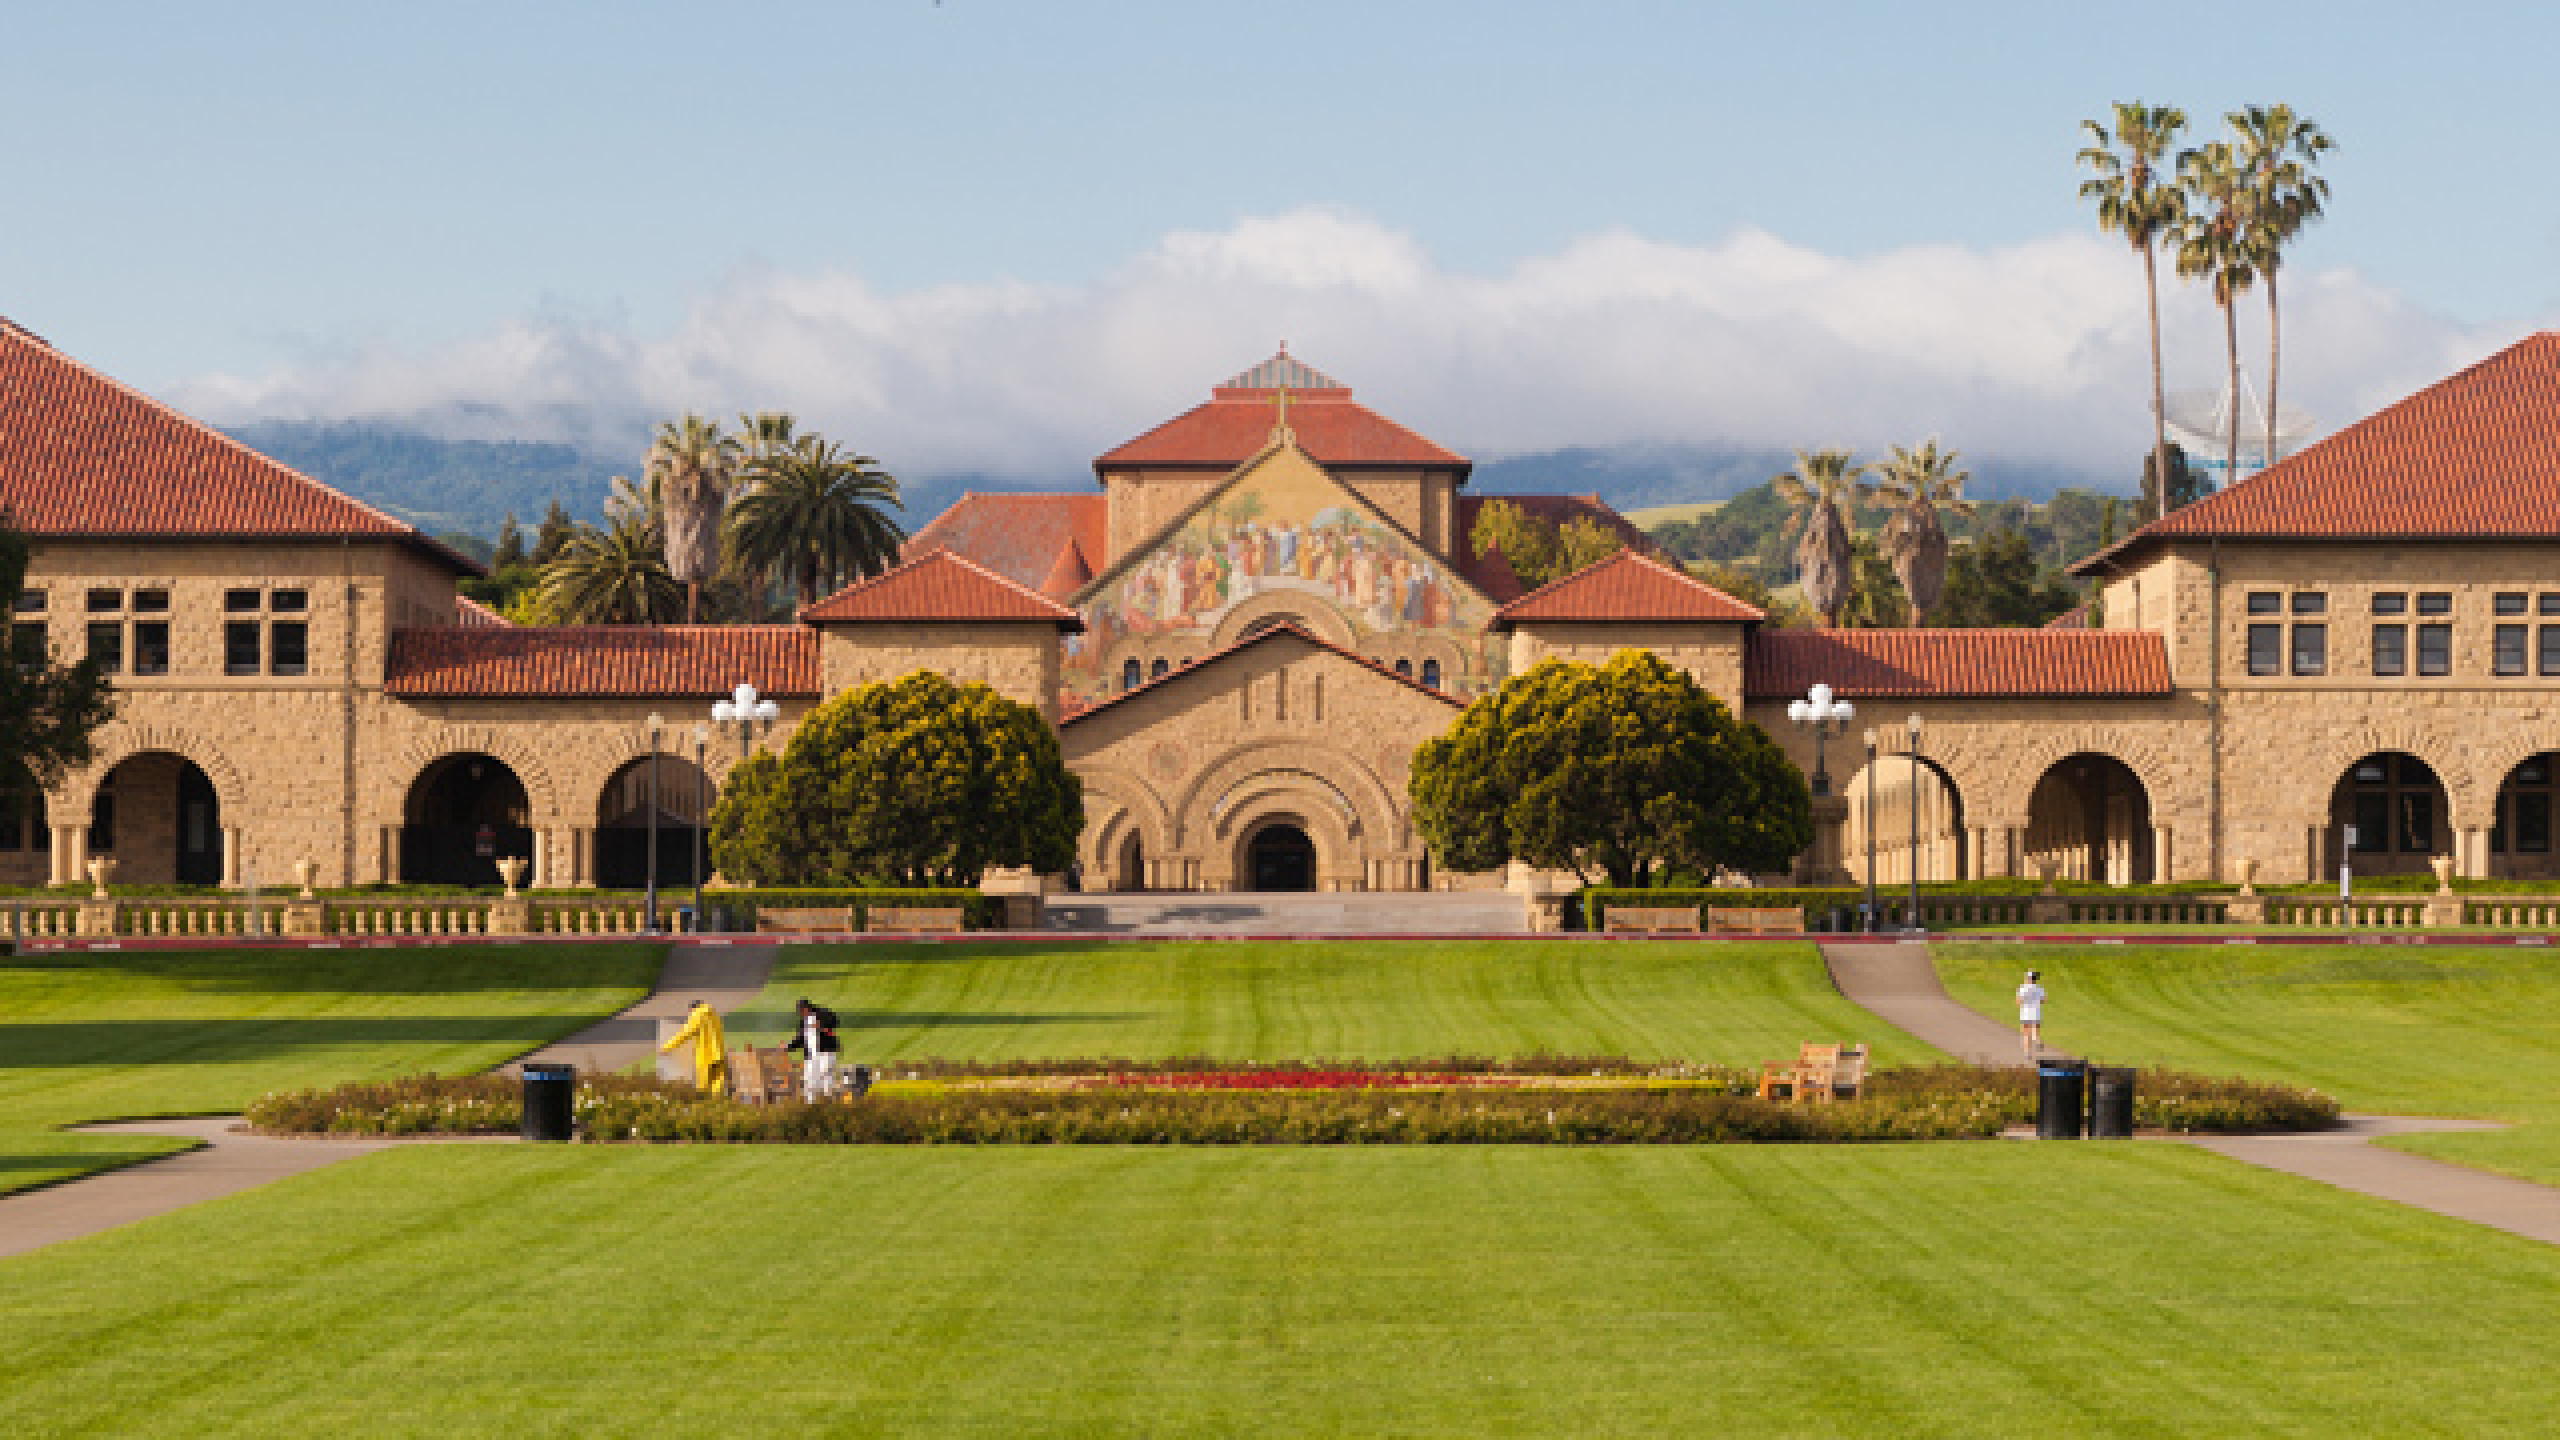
1286 1105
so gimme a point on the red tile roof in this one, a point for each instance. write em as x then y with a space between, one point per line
1781 664
467 611
1238 420
82 455
1018 536
1627 586
674 661
1492 574
2475 456
1068 576
942 586
1246 643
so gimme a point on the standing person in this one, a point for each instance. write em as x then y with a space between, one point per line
817 1043
710 1047
2031 1014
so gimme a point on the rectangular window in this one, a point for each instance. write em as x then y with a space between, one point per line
2435 602
2266 649
240 648
30 602
106 646
105 602
2509 603
2548 603
2507 651
2266 602
2391 602
2373 824
289 600
151 602
240 602
2435 649
151 647
2391 649
2310 602
2310 649
2550 641
290 647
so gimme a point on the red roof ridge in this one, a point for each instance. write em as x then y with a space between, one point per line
396 527
1246 642
495 661
1069 575
976 594
1599 591
1781 664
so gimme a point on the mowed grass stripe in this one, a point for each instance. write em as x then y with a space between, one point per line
1986 1289
1247 1000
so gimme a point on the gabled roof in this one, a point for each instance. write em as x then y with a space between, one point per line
674 661
1632 587
2475 456
940 587
1067 576
1017 535
1783 664
467 611
1238 420
1261 637
84 456
1493 574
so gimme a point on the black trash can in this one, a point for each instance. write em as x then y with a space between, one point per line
2111 1102
2058 1100
550 1095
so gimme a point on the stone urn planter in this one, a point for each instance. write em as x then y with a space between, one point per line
2248 879
2048 867
511 869
102 873
2443 866
303 870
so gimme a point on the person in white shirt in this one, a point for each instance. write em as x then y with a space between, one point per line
2031 1014
816 1041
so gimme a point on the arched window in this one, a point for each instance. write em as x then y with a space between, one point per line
1156 671
1431 673
1131 672
1405 668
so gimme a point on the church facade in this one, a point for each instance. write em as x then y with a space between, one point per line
1246 625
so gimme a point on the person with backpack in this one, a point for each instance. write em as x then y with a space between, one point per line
816 1042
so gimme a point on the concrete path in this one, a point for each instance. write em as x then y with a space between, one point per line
1438 912
1899 983
232 1160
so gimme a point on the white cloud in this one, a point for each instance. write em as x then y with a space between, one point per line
2030 351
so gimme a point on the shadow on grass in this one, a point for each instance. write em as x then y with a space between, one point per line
85 1161
131 1043
459 970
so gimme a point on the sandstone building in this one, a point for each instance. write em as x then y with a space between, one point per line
1246 626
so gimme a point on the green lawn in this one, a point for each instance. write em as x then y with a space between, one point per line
2401 1029
103 1035
1243 1000
1983 1289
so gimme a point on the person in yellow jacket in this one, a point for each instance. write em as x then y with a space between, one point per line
710 1047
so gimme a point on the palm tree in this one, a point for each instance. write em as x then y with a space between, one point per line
2139 199
2278 150
1920 482
1819 488
614 576
694 466
2213 245
816 515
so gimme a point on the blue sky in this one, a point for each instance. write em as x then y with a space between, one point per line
1000 235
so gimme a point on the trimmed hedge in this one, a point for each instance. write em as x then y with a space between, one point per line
985 911
1589 908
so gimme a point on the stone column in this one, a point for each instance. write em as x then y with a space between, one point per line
2471 853
582 856
2163 867
230 857
390 857
71 853
1822 865
539 874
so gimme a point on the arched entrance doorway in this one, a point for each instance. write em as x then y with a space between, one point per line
158 814
1890 791
2090 816
680 795
463 813
1279 856
1129 867
2520 833
2395 806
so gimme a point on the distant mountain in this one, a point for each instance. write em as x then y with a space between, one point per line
1639 478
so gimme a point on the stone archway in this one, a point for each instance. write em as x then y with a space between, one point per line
1121 812
463 813
1911 798
2520 835
158 815
1284 800
1277 856
1271 609
2090 816
679 795
2396 806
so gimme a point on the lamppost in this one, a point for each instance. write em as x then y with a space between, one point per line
744 711
1818 712
1872 921
1912 921
649 908
701 816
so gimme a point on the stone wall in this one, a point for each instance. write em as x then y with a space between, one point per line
1018 659
1712 654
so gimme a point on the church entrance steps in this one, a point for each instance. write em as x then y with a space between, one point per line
1490 912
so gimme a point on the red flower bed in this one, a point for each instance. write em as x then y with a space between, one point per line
1304 1080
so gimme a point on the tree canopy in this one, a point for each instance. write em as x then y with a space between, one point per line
1628 770
48 710
910 782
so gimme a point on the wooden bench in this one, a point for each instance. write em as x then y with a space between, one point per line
1650 920
1822 1073
1743 920
763 1077
916 920
824 920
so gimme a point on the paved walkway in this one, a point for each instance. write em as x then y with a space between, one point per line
232 1160
1268 913
1900 984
